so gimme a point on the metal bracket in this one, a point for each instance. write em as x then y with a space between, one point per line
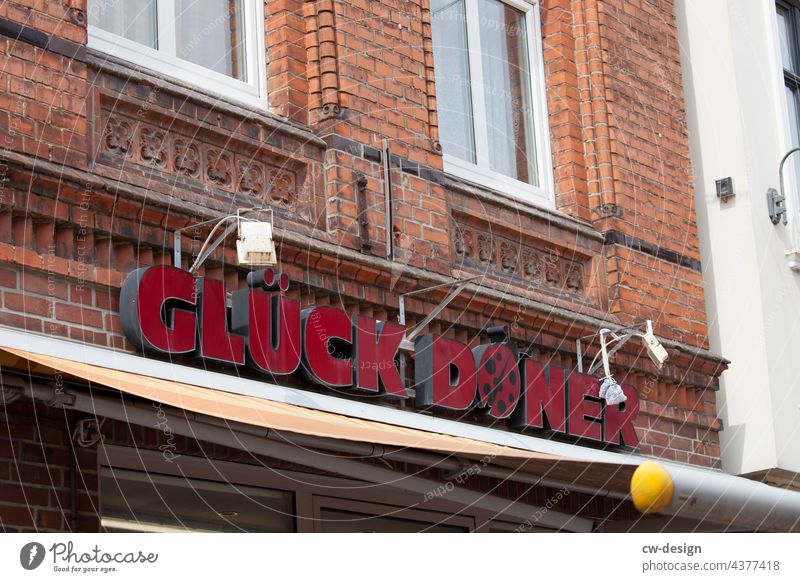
387 190
776 204
621 341
725 188
621 336
363 221
213 246
207 249
408 340
60 398
9 394
88 432
776 200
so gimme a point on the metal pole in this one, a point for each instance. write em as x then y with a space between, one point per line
387 190
437 310
735 502
462 283
176 237
780 171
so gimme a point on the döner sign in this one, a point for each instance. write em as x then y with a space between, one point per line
169 311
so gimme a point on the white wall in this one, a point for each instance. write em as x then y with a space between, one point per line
738 127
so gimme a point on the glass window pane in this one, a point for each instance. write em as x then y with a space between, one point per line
342 521
506 79
785 35
508 527
451 64
794 115
793 105
132 19
139 501
210 33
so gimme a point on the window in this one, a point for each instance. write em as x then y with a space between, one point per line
490 94
788 21
342 515
135 501
216 44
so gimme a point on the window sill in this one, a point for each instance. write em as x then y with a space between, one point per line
532 209
504 185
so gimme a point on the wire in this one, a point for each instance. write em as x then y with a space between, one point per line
614 337
208 240
91 428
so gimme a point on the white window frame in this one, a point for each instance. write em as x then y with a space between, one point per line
252 92
481 173
786 130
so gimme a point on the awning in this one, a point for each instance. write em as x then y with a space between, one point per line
196 409
595 477
268 414
664 487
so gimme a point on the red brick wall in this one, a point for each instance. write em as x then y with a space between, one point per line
36 472
42 103
83 201
650 167
288 79
65 19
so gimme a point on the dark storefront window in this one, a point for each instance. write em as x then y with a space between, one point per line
340 521
139 501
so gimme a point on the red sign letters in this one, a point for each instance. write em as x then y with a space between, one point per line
169 311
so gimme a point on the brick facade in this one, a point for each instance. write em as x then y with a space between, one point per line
100 161
37 468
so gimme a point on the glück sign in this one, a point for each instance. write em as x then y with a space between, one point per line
167 310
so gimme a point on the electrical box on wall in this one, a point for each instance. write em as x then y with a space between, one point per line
725 188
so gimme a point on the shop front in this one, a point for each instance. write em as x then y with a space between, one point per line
192 449
265 417
421 356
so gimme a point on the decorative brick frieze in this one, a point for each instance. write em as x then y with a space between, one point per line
478 249
127 140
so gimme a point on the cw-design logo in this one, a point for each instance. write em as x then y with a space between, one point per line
31 555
